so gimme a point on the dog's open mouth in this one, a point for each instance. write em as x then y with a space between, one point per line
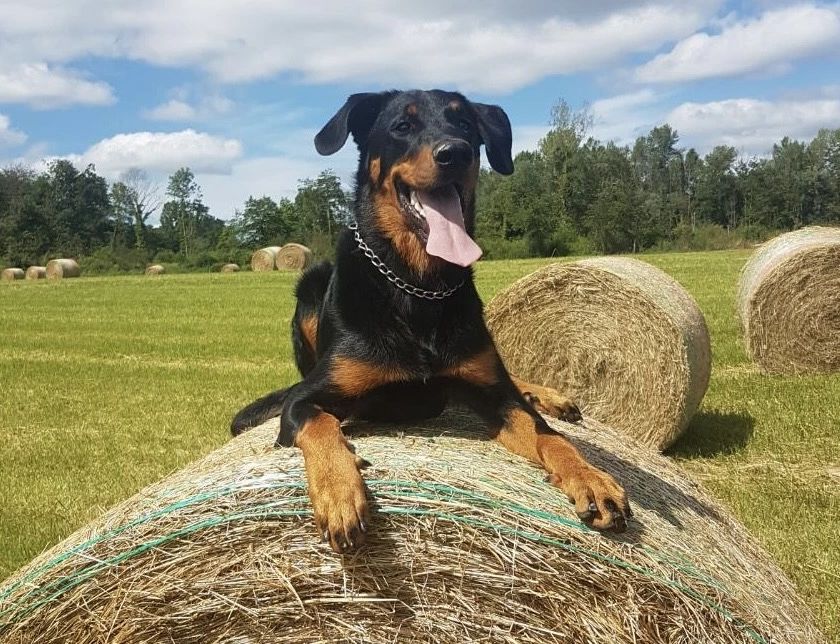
436 216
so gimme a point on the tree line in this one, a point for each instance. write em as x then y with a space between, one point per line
574 194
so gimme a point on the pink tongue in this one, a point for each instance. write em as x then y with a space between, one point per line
448 239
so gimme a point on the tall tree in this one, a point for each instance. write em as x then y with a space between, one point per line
135 198
183 213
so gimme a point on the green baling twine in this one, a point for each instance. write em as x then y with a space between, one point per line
44 594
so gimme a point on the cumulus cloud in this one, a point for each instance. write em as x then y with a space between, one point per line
275 177
625 117
163 152
43 86
9 137
769 42
751 126
497 46
178 109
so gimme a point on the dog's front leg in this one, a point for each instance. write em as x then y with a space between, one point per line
311 421
485 385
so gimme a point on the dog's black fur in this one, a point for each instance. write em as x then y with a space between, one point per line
368 349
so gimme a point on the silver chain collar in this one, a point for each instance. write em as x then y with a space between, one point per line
392 277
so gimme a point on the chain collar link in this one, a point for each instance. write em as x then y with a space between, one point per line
392 277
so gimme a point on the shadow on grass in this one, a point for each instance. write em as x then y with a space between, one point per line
713 433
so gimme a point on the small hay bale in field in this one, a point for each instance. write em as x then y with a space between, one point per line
789 302
60 268
619 336
467 543
230 268
12 274
155 269
294 257
36 272
264 259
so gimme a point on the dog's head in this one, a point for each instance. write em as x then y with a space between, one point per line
419 155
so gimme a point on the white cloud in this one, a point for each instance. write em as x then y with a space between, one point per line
178 109
768 43
751 126
162 152
497 46
275 177
44 86
625 117
9 137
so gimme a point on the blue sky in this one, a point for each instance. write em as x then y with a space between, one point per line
236 90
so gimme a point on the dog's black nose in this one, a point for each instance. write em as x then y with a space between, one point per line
453 153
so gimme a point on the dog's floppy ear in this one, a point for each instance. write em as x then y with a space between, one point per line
356 116
494 128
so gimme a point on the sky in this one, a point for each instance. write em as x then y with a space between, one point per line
237 90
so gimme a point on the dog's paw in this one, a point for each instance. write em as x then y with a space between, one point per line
552 403
339 502
600 502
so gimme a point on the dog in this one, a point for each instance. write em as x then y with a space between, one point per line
395 330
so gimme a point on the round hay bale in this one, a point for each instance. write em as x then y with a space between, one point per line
264 259
61 268
294 257
36 272
789 302
619 336
230 268
467 543
12 274
155 269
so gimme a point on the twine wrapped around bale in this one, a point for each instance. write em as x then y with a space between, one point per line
230 268
12 274
789 302
294 257
467 542
61 268
155 269
36 272
264 259
619 336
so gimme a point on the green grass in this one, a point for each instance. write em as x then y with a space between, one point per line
110 383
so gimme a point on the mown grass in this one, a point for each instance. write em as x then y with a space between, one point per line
111 383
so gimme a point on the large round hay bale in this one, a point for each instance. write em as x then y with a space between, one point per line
60 268
12 274
789 302
264 259
230 268
467 543
155 269
294 257
619 336
36 272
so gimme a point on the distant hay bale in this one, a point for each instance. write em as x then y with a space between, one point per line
60 268
264 259
12 274
230 268
36 272
293 257
789 302
619 336
155 269
467 543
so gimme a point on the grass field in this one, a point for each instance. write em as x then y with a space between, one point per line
110 383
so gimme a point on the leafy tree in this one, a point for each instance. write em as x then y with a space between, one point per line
184 213
321 205
264 222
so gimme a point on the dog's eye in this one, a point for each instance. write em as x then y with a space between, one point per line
465 125
402 127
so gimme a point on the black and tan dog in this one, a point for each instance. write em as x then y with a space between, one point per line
395 329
